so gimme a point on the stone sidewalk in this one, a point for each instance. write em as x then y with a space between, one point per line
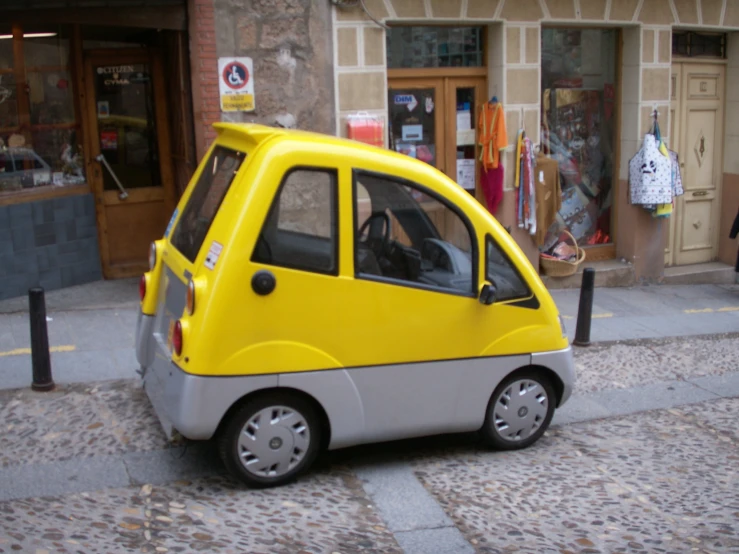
87 469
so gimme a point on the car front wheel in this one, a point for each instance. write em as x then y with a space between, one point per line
519 411
270 440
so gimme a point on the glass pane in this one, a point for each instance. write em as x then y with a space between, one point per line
301 230
8 101
417 46
578 128
51 97
412 123
426 243
205 200
501 272
465 122
126 124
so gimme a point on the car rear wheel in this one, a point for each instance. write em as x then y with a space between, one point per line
270 440
519 412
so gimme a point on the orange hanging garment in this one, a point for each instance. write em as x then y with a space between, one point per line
492 134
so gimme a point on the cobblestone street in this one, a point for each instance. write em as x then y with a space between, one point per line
87 469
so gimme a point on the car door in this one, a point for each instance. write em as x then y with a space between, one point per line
428 366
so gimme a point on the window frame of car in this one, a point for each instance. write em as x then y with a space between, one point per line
527 301
401 181
275 206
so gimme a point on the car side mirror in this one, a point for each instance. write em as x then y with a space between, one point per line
488 293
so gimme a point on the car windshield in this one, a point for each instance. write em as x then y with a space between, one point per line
205 200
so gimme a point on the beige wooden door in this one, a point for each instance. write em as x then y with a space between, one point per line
697 109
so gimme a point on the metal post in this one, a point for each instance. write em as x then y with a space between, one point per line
40 358
585 308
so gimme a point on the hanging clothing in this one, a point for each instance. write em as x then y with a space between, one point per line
525 187
650 174
548 195
491 182
492 134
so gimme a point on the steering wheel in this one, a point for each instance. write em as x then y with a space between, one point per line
384 244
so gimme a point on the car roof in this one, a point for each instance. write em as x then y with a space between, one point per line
257 133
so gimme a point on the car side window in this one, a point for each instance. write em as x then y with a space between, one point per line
501 272
406 234
301 230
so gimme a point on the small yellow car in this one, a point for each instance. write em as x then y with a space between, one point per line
312 292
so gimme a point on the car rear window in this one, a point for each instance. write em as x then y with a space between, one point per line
206 198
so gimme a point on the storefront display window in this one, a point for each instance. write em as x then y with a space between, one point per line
578 81
418 46
39 133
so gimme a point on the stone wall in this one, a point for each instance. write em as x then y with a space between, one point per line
291 45
51 243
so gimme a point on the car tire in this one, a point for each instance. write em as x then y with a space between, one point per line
520 411
270 439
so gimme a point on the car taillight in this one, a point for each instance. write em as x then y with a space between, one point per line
152 256
142 287
177 337
190 299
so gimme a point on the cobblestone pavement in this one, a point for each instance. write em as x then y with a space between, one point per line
657 481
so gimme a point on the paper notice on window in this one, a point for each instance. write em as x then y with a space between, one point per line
466 174
464 121
412 132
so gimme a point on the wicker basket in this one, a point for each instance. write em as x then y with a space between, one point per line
562 268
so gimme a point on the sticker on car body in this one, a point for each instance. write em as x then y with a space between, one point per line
213 254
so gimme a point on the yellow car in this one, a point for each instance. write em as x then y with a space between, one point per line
312 292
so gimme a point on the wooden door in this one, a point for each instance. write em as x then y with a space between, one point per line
417 123
694 232
129 162
464 97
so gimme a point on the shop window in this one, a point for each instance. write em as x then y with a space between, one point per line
693 45
39 132
578 129
418 46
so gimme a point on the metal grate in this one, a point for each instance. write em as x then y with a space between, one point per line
693 45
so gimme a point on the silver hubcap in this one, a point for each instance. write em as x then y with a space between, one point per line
520 410
273 441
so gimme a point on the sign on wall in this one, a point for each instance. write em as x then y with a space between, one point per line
236 84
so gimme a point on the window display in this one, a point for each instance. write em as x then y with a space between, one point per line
39 134
578 79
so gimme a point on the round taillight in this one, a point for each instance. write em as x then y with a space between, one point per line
152 256
142 287
177 338
190 299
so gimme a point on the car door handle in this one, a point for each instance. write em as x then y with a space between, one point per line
263 282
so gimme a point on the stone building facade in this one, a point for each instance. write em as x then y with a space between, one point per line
645 80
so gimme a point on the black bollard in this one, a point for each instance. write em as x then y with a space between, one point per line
585 308
40 358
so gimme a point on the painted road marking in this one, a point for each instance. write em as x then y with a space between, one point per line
594 316
21 351
711 310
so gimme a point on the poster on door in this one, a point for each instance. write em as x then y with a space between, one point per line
236 84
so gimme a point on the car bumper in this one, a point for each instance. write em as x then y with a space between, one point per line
192 405
562 363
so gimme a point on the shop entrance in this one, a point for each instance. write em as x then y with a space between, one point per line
130 164
696 115
434 119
